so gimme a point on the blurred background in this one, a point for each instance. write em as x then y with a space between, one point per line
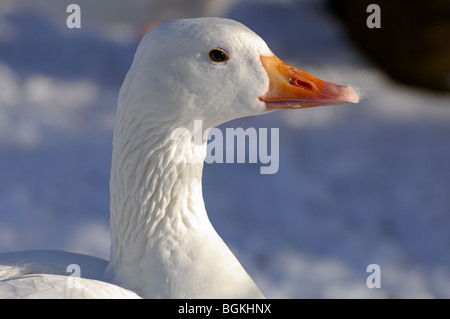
358 184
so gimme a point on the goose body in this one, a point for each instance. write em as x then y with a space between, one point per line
162 242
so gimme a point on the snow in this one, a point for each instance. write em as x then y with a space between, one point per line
357 184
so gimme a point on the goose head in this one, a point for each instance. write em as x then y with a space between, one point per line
216 70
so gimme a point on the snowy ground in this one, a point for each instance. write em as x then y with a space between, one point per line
357 185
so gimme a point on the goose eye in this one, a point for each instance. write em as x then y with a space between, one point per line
218 55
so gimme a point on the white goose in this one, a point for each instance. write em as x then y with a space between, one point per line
162 242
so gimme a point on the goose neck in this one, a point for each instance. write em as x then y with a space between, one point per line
156 195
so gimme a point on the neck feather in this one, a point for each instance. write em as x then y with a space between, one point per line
156 190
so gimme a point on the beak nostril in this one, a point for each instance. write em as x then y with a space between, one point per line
303 84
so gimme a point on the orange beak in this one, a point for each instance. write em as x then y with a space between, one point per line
291 88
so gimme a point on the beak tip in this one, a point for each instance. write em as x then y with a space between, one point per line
350 94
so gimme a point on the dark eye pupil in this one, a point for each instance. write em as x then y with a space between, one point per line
218 56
